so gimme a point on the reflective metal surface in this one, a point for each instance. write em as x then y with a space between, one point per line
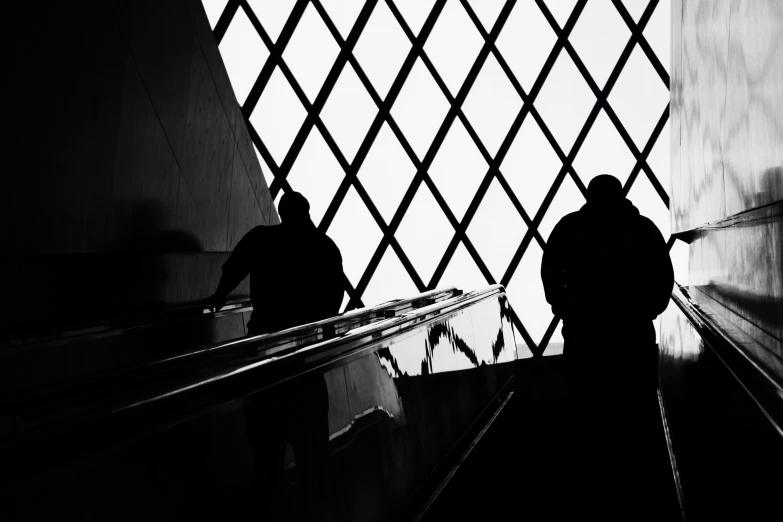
726 89
722 411
354 435
727 163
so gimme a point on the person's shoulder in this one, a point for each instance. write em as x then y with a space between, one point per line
264 230
569 221
647 225
329 244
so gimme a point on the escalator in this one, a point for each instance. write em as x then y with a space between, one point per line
375 397
416 409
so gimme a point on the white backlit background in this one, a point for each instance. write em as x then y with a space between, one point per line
442 164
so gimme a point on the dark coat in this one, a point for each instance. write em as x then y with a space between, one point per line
607 273
296 275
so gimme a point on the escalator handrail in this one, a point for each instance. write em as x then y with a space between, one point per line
94 330
267 343
161 398
123 416
124 324
763 389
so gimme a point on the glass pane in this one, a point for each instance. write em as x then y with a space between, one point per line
567 199
390 281
311 52
214 9
461 326
555 346
382 48
243 53
420 108
649 203
345 302
316 174
453 45
636 7
278 116
415 12
424 245
462 272
526 41
485 317
565 102
599 37
356 234
272 14
487 11
604 152
523 351
386 173
343 13
657 32
526 293
349 112
496 230
492 105
659 159
268 176
639 97
458 169
531 166
561 10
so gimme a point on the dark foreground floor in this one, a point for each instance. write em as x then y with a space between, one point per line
534 464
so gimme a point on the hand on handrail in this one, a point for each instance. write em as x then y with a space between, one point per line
216 302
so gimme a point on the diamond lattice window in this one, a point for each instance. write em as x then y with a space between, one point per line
446 138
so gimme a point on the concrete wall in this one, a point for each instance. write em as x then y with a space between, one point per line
132 173
727 159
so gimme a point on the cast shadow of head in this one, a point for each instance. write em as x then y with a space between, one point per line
147 254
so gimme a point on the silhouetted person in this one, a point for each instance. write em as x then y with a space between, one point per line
296 274
296 277
607 274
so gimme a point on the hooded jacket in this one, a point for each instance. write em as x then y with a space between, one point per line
607 263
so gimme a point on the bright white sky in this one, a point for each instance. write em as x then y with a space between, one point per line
638 98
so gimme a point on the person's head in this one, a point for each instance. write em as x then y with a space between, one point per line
294 208
604 191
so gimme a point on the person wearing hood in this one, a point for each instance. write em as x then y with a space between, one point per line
607 274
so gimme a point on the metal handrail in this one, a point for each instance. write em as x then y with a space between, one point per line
762 388
124 411
206 358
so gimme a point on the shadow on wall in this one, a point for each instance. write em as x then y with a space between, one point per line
144 246
50 292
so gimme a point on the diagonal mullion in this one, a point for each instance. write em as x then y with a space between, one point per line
641 163
456 112
417 44
225 20
347 50
455 103
276 50
383 115
494 162
274 60
603 95
643 43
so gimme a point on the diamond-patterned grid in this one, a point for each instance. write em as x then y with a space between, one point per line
429 177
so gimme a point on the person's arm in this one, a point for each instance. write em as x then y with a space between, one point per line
337 286
235 269
553 270
661 273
